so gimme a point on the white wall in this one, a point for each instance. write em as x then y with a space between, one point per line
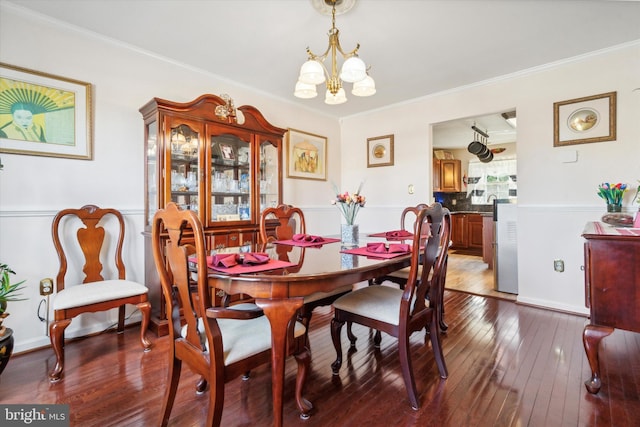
33 189
555 199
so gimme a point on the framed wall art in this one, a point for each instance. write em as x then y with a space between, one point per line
44 115
380 151
584 120
306 155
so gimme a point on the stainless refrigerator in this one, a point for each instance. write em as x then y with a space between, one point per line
505 259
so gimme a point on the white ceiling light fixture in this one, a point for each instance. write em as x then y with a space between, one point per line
354 70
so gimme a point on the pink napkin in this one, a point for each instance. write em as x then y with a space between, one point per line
229 260
307 238
398 233
383 248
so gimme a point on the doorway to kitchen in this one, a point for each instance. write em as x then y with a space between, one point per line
472 192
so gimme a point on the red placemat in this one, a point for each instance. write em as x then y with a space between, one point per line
307 244
272 264
391 235
363 251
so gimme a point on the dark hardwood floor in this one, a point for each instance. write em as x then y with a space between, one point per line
509 365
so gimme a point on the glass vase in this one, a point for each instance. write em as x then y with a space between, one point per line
349 234
613 207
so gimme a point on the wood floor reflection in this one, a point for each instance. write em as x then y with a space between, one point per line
468 273
509 365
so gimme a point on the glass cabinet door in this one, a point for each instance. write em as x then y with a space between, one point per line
231 178
151 172
269 167
184 166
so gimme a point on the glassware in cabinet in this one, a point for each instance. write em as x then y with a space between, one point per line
268 171
231 177
184 165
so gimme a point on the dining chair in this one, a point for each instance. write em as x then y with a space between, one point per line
218 343
401 312
401 276
80 239
281 223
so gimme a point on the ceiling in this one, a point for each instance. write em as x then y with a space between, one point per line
415 48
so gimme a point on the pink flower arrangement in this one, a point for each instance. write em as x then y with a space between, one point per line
349 204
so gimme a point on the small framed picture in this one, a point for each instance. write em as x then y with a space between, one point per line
584 120
227 152
380 151
306 155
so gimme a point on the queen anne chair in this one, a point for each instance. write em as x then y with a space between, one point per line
218 343
289 220
401 312
95 292
400 277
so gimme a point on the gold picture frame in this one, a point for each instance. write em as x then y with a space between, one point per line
306 155
44 115
585 120
380 151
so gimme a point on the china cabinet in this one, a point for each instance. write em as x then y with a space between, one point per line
221 162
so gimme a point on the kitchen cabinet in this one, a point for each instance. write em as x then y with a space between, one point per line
612 289
447 176
222 163
467 232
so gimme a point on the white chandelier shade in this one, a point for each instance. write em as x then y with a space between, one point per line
334 99
305 90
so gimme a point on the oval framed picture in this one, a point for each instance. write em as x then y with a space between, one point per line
380 151
585 120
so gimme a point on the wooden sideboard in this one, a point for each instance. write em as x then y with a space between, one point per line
612 288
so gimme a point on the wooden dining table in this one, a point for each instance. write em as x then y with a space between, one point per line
280 293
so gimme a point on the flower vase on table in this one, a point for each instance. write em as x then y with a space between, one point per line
612 207
349 205
349 234
613 194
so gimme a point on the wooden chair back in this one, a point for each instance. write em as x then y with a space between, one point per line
289 220
91 241
430 229
409 215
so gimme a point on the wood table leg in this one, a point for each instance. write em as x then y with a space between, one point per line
280 312
591 337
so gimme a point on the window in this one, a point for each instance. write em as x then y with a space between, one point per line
494 180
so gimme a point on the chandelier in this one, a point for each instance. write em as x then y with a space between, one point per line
314 72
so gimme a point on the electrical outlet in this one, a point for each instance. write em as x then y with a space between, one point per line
46 287
558 265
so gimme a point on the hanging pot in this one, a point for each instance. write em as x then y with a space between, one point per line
485 150
475 147
487 157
